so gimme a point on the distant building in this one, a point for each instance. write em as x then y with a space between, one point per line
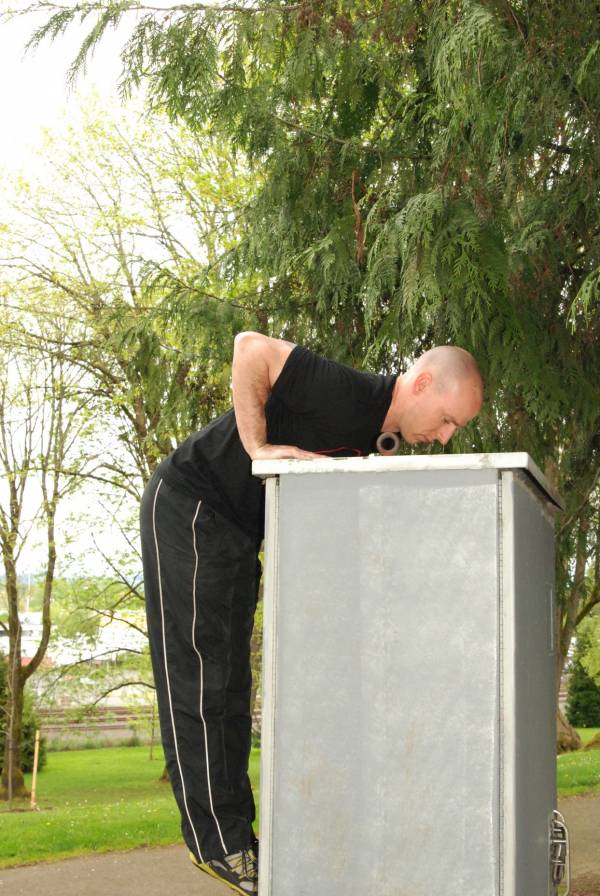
113 637
31 633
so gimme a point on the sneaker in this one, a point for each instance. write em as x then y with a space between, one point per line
238 870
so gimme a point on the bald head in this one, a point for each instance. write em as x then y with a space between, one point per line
450 367
439 394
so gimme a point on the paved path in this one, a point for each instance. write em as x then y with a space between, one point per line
582 815
167 870
155 871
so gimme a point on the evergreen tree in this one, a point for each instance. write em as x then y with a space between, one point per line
583 704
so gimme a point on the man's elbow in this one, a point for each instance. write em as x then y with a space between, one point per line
250 348
245 338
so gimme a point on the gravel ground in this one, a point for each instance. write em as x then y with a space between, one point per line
167 871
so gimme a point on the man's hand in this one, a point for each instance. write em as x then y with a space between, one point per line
282 452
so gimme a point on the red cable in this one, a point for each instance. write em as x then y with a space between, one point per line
345 448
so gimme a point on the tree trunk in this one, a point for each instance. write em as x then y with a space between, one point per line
594 744
566 620
567 738
13 783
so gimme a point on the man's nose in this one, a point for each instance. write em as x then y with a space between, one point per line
446 432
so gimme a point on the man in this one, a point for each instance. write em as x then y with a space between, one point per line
202 522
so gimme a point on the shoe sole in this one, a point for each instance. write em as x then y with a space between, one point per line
210 871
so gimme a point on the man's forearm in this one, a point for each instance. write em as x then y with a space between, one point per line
251 388
257 363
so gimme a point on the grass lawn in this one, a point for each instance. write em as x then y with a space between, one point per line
579 772
95 801
109 799
586 734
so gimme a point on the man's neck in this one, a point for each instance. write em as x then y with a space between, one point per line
392 418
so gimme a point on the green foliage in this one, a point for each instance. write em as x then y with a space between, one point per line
30 724
583 705
590 658
150 320
423 174
583 708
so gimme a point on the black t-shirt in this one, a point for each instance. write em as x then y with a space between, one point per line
315 404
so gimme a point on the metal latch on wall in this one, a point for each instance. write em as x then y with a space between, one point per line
560 866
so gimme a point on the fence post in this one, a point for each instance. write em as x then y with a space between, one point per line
36 753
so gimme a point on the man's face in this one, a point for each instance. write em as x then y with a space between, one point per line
436 414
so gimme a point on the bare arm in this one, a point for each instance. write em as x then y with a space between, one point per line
257 362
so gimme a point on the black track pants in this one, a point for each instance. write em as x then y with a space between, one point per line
201 578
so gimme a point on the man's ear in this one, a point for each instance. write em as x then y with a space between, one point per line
422 382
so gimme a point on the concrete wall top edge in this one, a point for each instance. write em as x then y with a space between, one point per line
375 463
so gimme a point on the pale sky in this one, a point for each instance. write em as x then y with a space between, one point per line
34 95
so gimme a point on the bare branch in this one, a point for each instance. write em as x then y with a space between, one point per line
68 667
117 687
113 618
